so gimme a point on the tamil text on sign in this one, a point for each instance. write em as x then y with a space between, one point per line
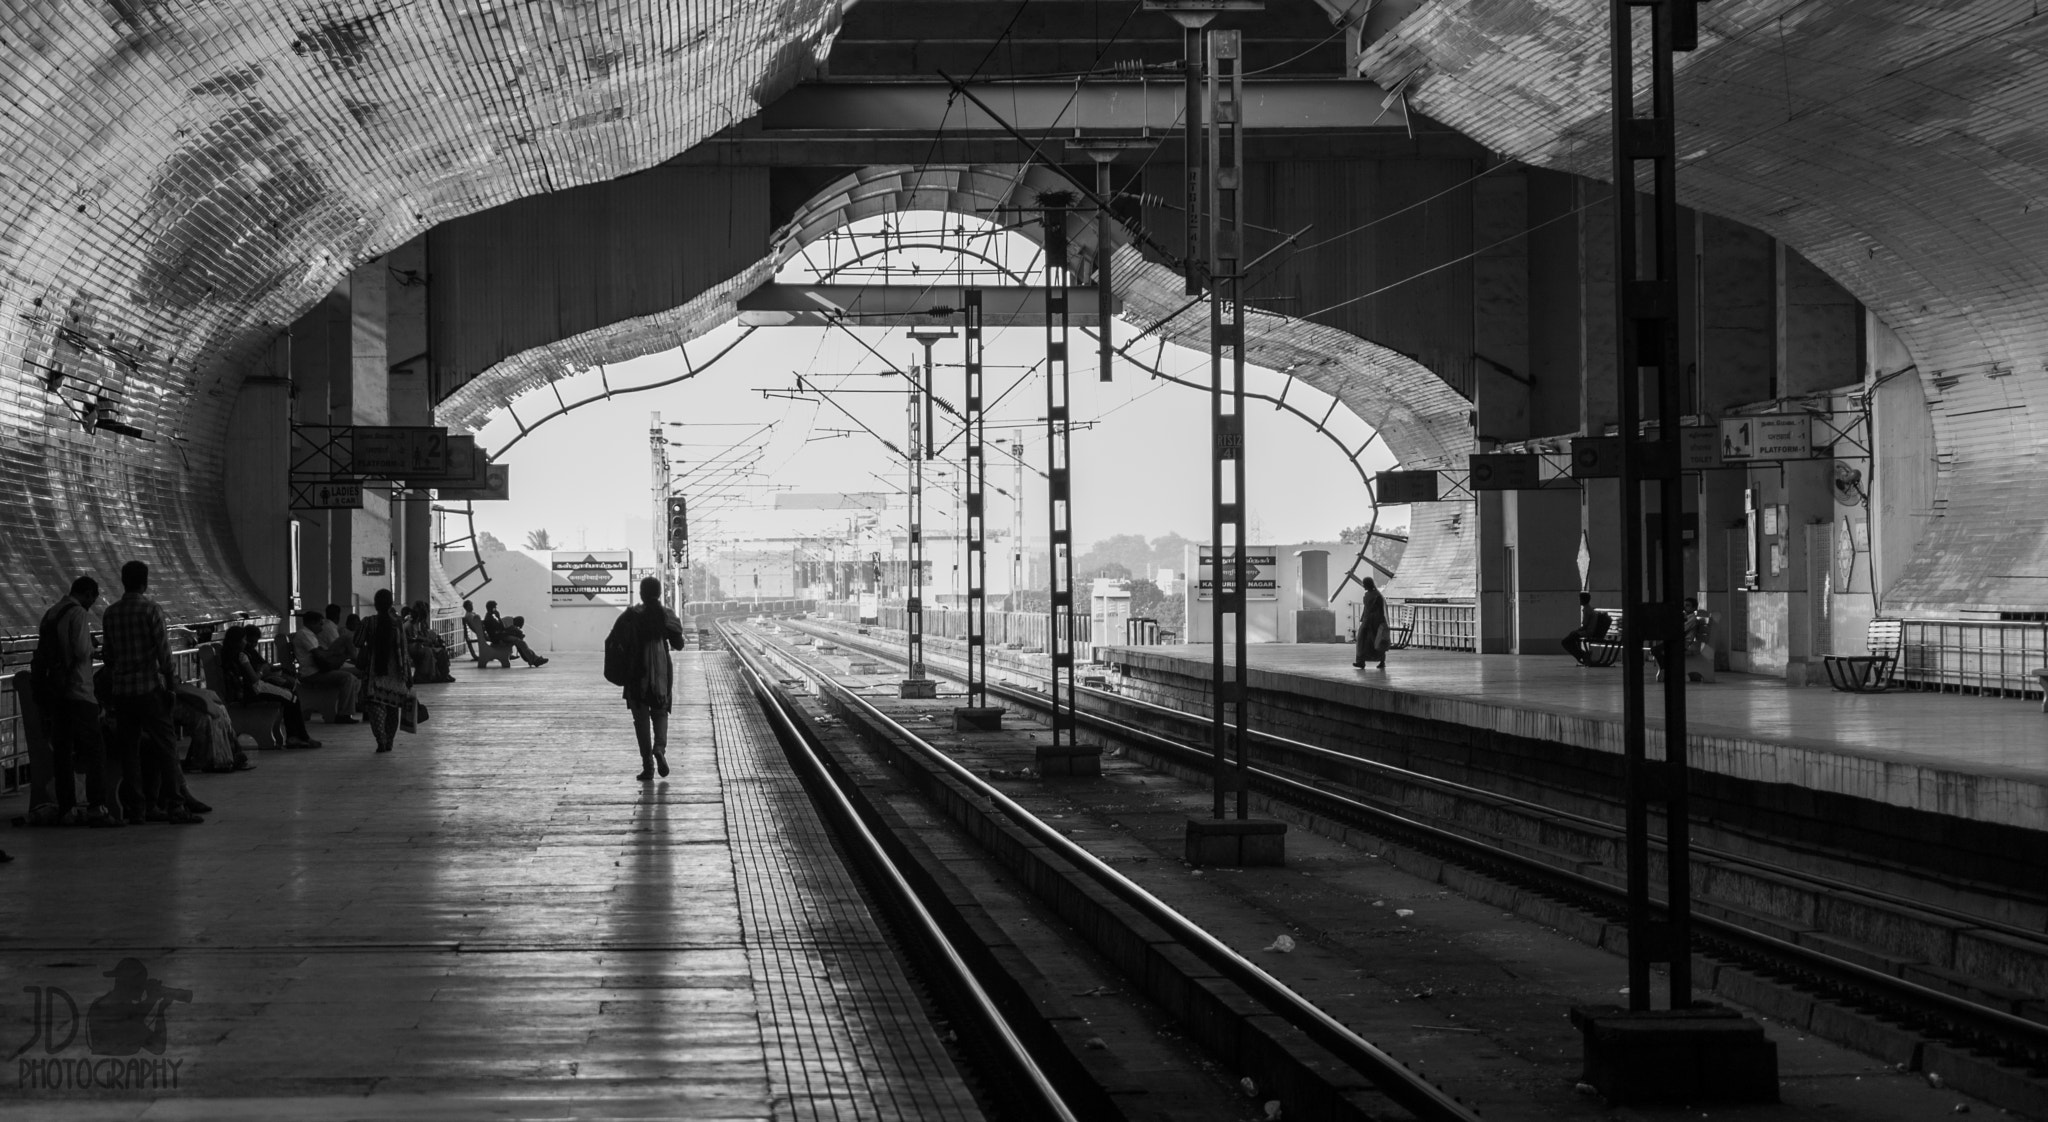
584 577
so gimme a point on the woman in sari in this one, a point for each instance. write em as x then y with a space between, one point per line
1373 631
381 654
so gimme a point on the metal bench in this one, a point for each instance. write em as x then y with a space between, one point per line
1871 673
262 723
488 652
1607 648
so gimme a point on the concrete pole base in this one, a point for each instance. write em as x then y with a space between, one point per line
977 718
1236 843
1698 1055
1069 759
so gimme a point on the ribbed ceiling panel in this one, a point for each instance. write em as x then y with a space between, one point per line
178 180
1900 145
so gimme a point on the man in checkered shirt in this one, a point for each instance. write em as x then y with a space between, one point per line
142 684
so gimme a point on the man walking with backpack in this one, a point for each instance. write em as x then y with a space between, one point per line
60 674
636 658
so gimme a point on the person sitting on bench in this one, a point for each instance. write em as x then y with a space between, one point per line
512 633
1592 628
321 664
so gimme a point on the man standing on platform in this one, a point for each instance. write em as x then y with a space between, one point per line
141 684
62 680
1374 636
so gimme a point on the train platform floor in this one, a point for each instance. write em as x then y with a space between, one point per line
494 920
1983 759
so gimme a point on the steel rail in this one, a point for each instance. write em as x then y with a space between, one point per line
1389 1075
1585 821
854 832
2005 1031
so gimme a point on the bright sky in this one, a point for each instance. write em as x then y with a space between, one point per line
1142 468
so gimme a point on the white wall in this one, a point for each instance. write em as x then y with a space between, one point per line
522 584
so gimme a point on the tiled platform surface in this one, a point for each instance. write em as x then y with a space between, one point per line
495 920
1984 759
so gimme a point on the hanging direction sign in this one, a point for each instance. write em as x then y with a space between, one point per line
1507 471
398 451
1778 436
498 485
1391 488
327 495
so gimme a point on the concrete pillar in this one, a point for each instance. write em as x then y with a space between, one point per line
256 473
1739 362
1544 527
1556 371
368 403
1496 577
1599 393
319 357
1500 308
1314 622
411 404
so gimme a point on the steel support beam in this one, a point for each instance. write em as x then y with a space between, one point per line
1125 106
977 508
1059 479
885 305
1223 207
1646 337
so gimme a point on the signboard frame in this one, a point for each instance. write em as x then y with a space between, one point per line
1766 438
500 487
1258 559
327 494
397 451
1396 488
587 593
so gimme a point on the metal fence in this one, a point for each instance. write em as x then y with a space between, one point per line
1995 658
1441 627
1025 631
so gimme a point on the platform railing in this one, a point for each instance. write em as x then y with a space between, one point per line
17 650
1025 631
1440 627
1993 658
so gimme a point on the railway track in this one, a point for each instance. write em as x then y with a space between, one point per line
776 678
1873 959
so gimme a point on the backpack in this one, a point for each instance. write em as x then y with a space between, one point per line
1601 622
48 667
621 650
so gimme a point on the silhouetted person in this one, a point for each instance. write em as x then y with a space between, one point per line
1592 628
647 632
71 715
512 633
141 685
386 669
326 664
1374 634
130 1017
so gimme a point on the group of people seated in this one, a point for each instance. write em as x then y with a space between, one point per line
108 713
507 633
1696 637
